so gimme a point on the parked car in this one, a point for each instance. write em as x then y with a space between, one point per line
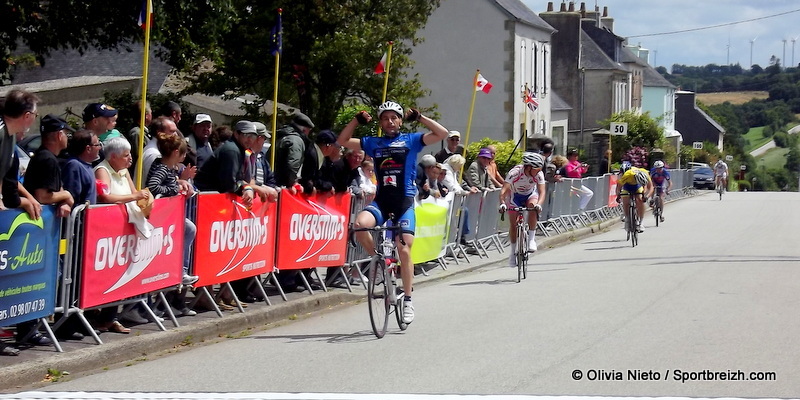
24 159
703 178
30 143
695 165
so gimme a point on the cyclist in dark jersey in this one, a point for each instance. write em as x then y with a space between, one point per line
395 158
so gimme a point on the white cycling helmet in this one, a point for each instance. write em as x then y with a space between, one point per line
534 160
390 106
658 164
641 178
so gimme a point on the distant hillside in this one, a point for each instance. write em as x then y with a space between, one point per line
736 98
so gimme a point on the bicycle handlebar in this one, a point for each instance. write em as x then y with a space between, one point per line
394 229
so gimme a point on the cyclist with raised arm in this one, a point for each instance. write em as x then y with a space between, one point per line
395 157
721 172
662 181
524 187
634 180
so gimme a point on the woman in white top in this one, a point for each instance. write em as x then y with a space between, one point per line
113 172
118 188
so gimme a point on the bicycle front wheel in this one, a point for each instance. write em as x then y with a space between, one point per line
522 251
378 297
634 223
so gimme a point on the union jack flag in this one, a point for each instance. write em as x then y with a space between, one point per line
530 100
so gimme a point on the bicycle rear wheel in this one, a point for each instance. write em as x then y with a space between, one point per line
634 222
398 313
657 210
378 296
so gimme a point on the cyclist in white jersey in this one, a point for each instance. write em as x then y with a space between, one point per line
721 172
524 187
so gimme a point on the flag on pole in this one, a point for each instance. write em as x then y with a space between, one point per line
381 67
530 100
276 37
482 85
143 13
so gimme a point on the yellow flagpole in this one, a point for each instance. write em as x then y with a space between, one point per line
386 79
275 100
525 117
469 120
145 72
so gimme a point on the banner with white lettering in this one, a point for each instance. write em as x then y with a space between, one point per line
233 242
28 265
612 191
118 262
313 230
431 229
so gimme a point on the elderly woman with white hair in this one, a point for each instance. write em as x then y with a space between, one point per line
452 167
117 187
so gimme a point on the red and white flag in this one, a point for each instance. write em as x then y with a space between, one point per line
530 100
482 85
381 67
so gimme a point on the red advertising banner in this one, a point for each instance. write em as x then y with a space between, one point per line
313 230
119 263
233 242
612 190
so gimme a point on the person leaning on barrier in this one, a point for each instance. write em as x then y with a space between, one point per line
351 162
550 169
452 168
426 162
576 169
491 169
18 111
76 174
477 174
198 140
117 188
292 148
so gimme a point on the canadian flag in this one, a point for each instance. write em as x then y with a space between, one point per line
482 85
381 67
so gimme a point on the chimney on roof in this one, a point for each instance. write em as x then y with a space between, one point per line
583 10
563 7
606 21
549 6
571 6
605 11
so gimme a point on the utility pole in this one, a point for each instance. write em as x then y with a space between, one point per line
751 50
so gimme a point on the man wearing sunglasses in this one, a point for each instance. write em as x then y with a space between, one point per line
453 146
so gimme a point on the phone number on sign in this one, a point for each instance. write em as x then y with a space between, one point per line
20 309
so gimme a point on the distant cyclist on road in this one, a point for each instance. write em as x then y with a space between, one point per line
525 185
634 180
721 172
662 181
395 156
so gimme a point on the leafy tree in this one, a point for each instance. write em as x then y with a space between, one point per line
793 160
643 131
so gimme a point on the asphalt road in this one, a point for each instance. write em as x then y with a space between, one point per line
714 288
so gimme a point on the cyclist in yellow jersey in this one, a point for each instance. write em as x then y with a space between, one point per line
634 180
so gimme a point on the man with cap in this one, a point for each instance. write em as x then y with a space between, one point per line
228 170
43 181
478 174
292 148
198 140
263 179
312 180
452 146
99 118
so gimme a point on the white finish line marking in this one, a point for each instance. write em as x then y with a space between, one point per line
310 396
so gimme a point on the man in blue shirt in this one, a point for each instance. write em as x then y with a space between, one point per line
395 158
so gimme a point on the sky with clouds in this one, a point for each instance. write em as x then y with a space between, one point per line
729 43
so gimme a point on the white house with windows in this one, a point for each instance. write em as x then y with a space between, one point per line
510 45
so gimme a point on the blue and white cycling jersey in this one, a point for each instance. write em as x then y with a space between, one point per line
395 163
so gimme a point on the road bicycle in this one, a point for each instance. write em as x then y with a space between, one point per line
658 205
522 239
631 220
383 295
720 187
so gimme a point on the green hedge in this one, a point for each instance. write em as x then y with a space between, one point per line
504 150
